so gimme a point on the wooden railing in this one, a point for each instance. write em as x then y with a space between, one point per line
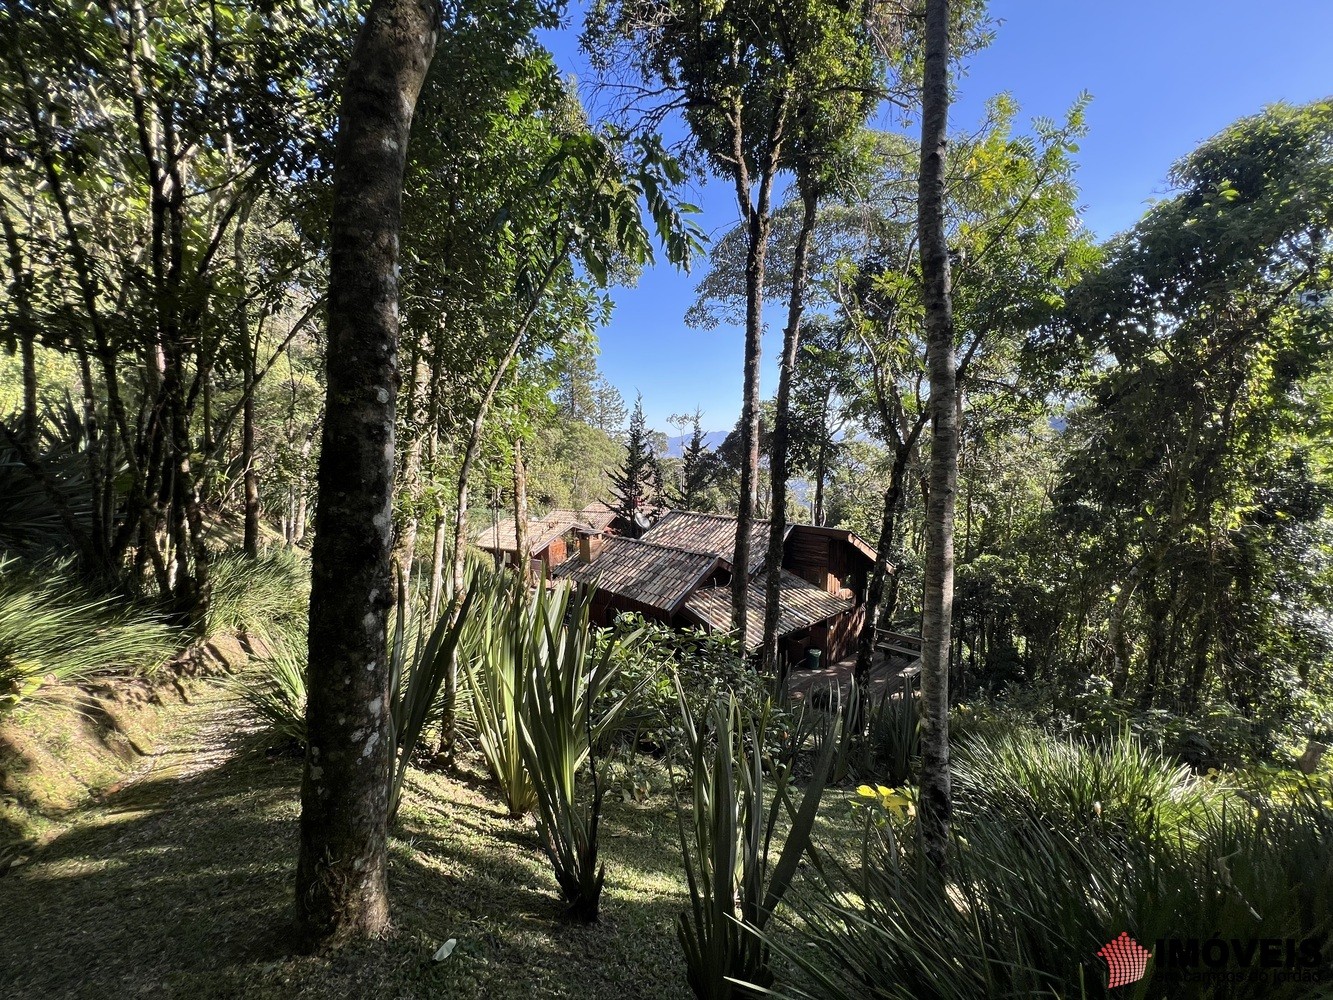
898 642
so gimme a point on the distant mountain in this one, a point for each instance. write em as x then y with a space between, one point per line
676 445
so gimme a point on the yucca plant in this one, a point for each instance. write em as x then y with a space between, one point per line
894 735
415 680
493 656
569 673
276 688
267 595
735 885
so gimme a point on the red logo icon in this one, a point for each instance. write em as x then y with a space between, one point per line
1126 960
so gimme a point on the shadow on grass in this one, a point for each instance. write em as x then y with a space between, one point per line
180 886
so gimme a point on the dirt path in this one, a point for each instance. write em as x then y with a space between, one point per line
164 877
179 885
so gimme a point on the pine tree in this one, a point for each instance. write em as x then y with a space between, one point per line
638 482
696 468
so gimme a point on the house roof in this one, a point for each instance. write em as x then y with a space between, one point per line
542 531
714 534
659 576
597 515
800 605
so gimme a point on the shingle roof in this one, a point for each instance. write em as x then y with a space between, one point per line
711 533
597 515
800 605
659 576
542 531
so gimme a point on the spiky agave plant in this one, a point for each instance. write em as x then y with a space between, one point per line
494 656
569 673
734 884
275 689
415 681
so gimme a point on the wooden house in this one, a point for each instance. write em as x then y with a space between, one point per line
550 539
680 570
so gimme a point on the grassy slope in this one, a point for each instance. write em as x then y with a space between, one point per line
180 886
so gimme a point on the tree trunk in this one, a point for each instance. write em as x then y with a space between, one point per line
341 884
520 512
755 260
865 647
251 362
791 343
937 603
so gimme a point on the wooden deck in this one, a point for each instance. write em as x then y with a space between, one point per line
830 685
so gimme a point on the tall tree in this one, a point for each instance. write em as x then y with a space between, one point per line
637 484
935 802
341 879
696 468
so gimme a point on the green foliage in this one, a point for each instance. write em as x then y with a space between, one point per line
415 679
51 629
492 657
734 884
894 735
260 596
1204 538
664 661
1116 788
1027 902
560 728
637 484
275 689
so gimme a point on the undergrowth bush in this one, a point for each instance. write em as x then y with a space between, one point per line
263 595
1073 785
707 667
1025 907
53 629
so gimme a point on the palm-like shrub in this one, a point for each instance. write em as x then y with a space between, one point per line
1032 892
494 656
734 882
894 734
264 596
50 628
275 690
1070 784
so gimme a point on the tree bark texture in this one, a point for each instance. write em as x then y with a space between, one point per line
521 541
756 252
341 885
935 803
791 344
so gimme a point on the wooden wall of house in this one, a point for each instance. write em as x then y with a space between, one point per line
555 553
830 563
807 555
843 633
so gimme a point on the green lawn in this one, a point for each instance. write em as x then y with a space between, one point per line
180 886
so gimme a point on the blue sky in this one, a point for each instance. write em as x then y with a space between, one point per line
1163 76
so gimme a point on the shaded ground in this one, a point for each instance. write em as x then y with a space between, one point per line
180 886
